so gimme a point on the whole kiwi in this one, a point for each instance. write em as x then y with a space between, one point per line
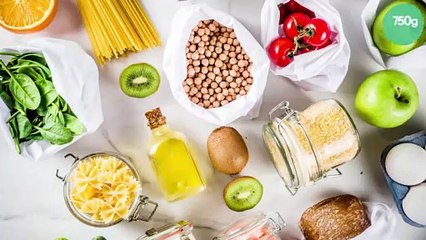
227 150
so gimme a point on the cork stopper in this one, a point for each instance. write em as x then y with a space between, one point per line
155 118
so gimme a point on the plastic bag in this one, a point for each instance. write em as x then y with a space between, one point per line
76 79
322 70
405 61
176 69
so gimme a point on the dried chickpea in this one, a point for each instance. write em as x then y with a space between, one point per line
216 104
195 100
223 85
189 81
186 88
225 92
205 62
218 68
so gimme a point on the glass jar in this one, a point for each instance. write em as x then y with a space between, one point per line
140 208
180 231
255 227
305 145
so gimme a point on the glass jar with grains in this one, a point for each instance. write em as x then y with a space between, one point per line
305 145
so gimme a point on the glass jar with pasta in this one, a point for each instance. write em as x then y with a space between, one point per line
104 189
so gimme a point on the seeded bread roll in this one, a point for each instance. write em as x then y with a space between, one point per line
338 218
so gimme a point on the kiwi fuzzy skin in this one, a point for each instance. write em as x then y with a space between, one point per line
227 150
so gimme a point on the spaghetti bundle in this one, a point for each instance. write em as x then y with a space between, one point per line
116 27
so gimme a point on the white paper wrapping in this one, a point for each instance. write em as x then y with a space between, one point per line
404 61
382 220
321 70
176 70
76 79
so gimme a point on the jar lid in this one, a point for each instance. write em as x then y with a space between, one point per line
253 226
171 231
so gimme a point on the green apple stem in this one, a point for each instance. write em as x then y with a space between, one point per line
398 95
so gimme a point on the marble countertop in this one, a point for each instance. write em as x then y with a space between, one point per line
31 201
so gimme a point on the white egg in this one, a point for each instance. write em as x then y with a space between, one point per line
406 164
414 204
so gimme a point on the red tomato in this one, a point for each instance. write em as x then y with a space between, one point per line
292 6
306 49
294 24
328 43
280 51
318 32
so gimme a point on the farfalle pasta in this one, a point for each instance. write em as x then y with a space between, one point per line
104 188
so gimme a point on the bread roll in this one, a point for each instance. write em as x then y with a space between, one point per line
338 218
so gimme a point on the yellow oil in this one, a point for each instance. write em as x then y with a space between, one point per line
176 170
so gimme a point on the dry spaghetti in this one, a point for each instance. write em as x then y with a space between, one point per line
116 27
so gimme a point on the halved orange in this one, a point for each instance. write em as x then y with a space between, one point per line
27 16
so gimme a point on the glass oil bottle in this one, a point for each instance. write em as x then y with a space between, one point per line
175 168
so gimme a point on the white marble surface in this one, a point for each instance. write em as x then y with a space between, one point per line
31 201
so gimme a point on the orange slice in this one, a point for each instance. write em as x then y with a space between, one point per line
27 16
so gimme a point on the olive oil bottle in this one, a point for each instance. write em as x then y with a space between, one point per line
172 161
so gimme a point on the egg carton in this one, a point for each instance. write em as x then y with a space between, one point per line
399 191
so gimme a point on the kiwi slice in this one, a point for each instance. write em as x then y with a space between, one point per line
243 193
139 80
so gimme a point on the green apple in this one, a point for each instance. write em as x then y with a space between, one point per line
387 99
395 22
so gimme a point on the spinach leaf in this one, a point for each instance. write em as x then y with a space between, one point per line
31 73
7 99
38 57
73 124
47 91
56 134
48 121
18 107
41 111
13 128
36 65
61 118
24 126
25 91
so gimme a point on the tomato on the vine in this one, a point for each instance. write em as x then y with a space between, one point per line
294 24
306 49
281 51
317 32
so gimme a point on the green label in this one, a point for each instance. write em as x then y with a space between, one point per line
403 24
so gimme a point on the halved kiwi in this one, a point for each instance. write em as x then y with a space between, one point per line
139 80
243 193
